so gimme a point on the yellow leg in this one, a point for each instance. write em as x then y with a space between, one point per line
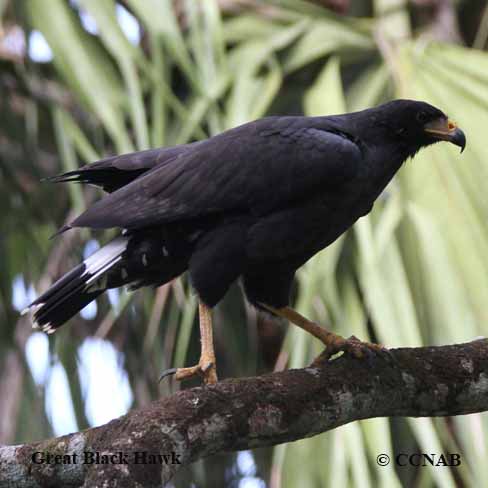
206 367
334 343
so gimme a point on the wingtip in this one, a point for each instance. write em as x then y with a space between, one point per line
61 231
52 179
62 178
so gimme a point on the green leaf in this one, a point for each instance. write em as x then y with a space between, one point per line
324 37
126 55
86 68
68 158
159 18
325 97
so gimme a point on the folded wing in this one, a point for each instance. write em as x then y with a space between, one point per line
254 168
117 171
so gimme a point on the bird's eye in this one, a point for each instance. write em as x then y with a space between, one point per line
422 117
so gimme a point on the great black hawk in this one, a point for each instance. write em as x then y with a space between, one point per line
253 203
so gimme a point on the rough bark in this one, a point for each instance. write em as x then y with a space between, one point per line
261 411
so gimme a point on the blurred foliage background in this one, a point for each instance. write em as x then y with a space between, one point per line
83 79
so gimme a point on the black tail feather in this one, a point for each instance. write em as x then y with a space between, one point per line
64 285
75 289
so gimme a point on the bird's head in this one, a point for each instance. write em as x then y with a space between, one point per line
417 124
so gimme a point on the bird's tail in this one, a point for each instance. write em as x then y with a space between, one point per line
76 288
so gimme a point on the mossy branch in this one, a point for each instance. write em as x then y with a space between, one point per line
254 412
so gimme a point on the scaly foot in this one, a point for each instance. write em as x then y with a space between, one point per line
205 369
353 346
206 366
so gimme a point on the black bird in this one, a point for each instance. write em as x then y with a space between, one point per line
253 203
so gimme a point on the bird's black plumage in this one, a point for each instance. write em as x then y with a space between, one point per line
255 202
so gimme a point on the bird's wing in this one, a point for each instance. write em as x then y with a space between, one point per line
254 168
117 171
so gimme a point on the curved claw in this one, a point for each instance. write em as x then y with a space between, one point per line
167 372
207 372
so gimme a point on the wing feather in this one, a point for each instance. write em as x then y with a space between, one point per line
117 171
254 168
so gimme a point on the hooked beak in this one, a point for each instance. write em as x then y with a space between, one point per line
446 130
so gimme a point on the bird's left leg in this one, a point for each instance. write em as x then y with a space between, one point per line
334 343
206 366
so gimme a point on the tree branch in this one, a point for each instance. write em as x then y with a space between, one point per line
255 412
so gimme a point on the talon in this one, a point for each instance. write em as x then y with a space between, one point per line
207 372
334 343
167 372
352 346
323 357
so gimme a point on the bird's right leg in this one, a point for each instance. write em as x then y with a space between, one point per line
334 343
